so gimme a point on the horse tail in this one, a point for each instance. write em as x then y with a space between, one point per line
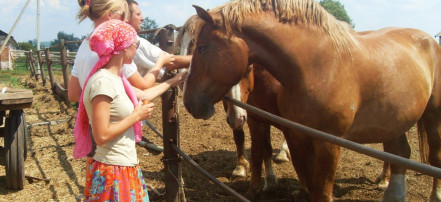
423 143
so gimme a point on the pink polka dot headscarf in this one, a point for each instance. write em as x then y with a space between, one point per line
106 40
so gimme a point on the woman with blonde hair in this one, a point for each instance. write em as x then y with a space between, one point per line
100 11
109 105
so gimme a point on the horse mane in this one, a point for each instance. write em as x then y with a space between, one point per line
289 11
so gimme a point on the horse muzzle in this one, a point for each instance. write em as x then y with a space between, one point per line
199 108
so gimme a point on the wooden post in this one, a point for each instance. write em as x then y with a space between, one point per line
30 61
174 189
41 62
63 58
49 68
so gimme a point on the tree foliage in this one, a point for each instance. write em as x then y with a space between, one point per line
27 46
338 10
149 24
67 37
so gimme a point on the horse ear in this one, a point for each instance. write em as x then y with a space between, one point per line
204 15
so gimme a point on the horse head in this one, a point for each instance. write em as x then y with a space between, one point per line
208 82
236 116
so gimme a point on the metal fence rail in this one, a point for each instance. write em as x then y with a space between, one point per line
199 168
394 159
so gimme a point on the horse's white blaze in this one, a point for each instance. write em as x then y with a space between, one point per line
396 191
239 113
184 47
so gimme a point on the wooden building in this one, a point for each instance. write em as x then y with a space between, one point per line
6 61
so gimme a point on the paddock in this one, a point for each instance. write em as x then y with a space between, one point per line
52 173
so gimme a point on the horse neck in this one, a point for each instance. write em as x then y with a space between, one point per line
285 50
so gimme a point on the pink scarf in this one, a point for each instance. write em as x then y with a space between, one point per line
106 40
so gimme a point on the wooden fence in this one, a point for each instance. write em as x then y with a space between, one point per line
42 62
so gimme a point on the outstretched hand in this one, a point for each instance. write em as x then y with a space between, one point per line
166 59
179 78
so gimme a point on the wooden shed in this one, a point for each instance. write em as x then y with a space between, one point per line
439 37
6 61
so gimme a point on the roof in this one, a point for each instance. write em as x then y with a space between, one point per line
3 36
438 35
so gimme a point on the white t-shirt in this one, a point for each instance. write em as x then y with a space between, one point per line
86 59
146 56
120 151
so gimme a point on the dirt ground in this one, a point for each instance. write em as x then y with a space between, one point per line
209 143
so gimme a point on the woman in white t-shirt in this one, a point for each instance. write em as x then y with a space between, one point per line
100 11
147 53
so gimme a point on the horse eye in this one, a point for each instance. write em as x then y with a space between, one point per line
201 49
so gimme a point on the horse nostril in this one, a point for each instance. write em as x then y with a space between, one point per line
244 118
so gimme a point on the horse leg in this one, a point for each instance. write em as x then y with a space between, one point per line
242 167
302 160
382 180
270 177
396 191
283 155
432 126
325 166
257 132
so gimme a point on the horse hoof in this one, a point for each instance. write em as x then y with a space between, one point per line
251 194
281 158
382 182
383 185
239 173
302 196
270 184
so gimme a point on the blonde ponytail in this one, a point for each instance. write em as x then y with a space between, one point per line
98 8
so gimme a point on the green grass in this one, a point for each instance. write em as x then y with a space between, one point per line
11 77
21 69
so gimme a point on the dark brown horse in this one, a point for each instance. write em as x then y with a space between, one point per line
367 88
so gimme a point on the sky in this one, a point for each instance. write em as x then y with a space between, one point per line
60 15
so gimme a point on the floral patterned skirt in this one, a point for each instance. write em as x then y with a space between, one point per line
114 183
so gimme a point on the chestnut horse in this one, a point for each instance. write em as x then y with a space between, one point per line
368 88
264 97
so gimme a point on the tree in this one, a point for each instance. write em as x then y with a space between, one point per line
338 10
27 46
149 24
67 37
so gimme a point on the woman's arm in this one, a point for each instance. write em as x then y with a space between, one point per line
138 82
154 92
149 80
163 59
180 61
74 89
103 130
